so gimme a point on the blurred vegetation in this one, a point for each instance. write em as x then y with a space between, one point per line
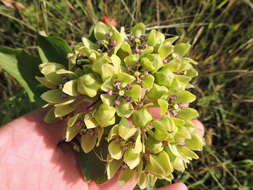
221 32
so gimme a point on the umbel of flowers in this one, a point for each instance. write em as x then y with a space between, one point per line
107 92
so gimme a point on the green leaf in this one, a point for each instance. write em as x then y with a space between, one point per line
125 78
138 30
115 150
163 104
187 152
89 121
132 60
53 96
153 145
131 158
112 167
61 111
23 68
71 121
70 88
100 31
88 141
53 50
152 62
141 117
126 132
195 143
88 85
105 115
125 109
182 49
148 81
187 113
50 117
71 132
184 97
135 92
113 132
165 49
157 92
164 77
126 175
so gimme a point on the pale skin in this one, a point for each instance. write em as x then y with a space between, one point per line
31 159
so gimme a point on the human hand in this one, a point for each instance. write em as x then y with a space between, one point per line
30 158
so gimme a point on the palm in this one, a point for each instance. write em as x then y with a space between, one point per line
30 158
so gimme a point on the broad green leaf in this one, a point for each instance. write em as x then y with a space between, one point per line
141 117
143 180
116 61
125 109
187 113
100 31
138 30
112 167
182 49
88 85
132 159
89 121
163 104
23 68
61 111
195 143
126 132
184 97
125 78
155 38
154 165
106 99
89 44
157 92
114 131
178 164
72 120
115 150
164 77
105 115
132 60
165 162
53 96
126 48
126 175
71 132
152 62
50 117
70 88
135 92
138 144
148 81
45 82
88 141
53 50
165 49
187 152
153 145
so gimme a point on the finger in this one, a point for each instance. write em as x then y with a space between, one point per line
200 127
176 186
113 184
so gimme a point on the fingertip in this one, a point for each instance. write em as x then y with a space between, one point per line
175 186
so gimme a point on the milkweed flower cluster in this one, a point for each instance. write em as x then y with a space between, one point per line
124 77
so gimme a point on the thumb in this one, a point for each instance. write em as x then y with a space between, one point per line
176 186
